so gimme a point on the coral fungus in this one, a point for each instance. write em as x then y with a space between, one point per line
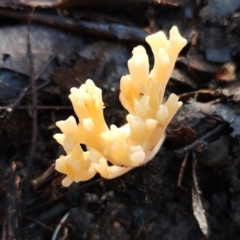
136 142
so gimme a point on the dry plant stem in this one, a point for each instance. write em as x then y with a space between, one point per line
26 89
94 4
194 94
53 57
180 176
198 210
4 229
32 85
206 137
34 109
103 30
14 210
46 177
44 226
40 107
56 231
63 195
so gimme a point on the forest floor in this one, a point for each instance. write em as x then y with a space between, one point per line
190 190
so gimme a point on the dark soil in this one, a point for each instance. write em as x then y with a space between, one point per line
190 190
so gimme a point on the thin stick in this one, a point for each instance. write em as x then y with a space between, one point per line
105 30
34 108
43 225
26 89
182 170
52 58
63 195
198 209
206 137
54 236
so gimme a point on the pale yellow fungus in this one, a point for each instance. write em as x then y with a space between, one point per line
135 143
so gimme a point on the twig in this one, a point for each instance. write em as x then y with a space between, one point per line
105 30
34 108
206 137
26 89
198 210
53 57
39 107
48 175
54 236
180 176
40 223
4 230
63 195
13 206
195 94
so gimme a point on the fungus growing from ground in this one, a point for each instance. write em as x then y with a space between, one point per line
136 142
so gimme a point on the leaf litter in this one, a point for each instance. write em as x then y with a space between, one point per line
149 202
